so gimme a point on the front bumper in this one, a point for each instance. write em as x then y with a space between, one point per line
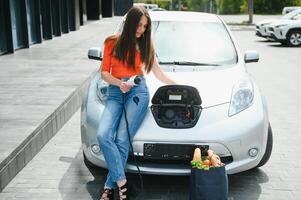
277 34
261 32
273 37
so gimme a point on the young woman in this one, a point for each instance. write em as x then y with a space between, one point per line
129 54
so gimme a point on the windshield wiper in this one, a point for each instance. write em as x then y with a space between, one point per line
188 63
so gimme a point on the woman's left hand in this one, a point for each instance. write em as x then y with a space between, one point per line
160 75
125 87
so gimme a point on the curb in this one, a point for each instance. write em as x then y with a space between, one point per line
18 159
241 26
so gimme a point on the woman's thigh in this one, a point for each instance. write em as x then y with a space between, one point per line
111 115
136 105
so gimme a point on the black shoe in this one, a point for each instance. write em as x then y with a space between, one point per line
107 194
124 192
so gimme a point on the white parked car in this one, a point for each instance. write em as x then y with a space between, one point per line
148 6
261 26
218 104
287 32
289 9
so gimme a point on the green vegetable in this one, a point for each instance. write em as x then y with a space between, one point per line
199 164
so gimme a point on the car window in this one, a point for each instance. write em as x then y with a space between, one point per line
292 14
297 17
193 42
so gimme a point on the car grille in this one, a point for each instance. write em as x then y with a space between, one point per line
186 162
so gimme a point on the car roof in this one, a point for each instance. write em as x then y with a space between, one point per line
184 16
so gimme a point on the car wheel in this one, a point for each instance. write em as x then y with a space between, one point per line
294 38
268 150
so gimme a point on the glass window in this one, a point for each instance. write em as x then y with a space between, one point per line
193 42
297 17
292 14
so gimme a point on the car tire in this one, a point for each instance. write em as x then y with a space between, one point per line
294 38
268 150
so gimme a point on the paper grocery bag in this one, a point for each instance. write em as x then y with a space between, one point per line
209 184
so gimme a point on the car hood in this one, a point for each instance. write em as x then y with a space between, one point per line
214 85
282 21
266 21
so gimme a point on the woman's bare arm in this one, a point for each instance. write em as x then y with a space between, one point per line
160 75
106 76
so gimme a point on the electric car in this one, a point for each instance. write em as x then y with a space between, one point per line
216 103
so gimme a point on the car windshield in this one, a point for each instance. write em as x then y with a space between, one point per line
193 43
290 15
297 17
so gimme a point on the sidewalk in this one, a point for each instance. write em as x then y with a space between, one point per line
56 172
40 89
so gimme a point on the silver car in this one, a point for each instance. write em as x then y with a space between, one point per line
217 104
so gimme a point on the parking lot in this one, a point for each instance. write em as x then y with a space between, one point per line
58 171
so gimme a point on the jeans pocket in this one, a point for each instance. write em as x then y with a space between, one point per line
114 93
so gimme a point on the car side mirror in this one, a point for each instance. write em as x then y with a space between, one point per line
251 56
95 53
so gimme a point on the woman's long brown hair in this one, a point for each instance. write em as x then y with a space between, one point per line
125 47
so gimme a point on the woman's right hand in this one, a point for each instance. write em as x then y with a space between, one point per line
125 87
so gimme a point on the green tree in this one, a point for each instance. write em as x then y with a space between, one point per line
260 6
229 6
200 5
269 6
197 5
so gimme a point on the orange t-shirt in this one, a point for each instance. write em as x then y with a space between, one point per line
116 67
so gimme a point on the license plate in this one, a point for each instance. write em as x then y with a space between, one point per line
164 151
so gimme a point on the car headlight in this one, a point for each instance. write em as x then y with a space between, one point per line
242 97
280 26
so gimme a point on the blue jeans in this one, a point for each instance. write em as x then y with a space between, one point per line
112 133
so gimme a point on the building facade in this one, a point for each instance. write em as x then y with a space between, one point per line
26 22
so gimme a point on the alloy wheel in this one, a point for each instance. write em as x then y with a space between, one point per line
295 39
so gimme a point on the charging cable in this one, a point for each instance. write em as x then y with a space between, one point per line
134 80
